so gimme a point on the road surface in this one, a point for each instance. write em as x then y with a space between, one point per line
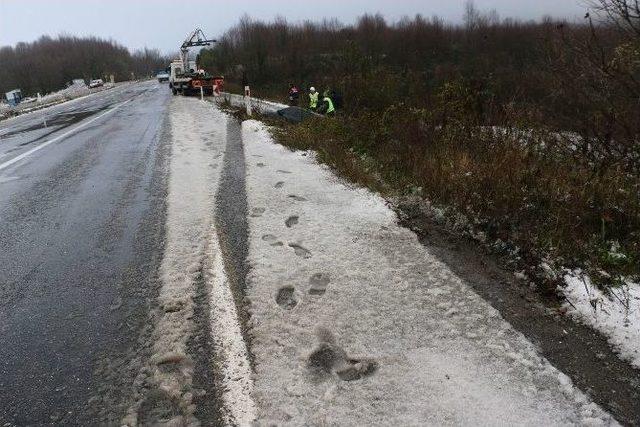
81 229
164 263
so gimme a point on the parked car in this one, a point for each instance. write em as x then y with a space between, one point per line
162 76
13 97
96 83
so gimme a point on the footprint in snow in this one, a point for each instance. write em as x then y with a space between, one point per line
260 165
286 297
300 251
257 212
329 358
319 283
279 184
282 171
291 221
297 198
272 240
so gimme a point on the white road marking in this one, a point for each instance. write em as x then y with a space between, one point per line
59 137
239 407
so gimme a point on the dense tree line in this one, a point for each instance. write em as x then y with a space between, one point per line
503 53
578 76
505 63
529 128
49 64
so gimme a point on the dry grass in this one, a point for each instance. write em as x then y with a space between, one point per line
529 189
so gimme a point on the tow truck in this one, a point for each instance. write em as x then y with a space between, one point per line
185 77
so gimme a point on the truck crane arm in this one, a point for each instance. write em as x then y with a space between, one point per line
183 80
195 38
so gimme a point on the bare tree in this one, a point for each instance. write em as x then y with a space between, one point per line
624 13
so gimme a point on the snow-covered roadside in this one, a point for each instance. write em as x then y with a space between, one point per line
64 96
165 386
354 322
616 315
259 105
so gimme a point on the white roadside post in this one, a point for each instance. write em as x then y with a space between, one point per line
201 94
247 99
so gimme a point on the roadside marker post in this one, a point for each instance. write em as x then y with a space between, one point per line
201 94
247 99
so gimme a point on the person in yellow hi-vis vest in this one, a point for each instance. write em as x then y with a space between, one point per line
313 98
327 107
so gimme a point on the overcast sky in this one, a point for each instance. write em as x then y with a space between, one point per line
165 23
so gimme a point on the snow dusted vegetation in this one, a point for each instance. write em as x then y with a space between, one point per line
616 314
354 322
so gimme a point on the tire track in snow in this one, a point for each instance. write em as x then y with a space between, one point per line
198 376
164 387
228 251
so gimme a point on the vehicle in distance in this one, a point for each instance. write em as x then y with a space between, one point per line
28 100
162 76
96 83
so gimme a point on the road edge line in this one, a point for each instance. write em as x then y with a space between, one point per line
59 137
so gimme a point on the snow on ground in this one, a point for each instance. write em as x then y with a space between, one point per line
354 322
231 350
198 141
71 93
615 315
258 105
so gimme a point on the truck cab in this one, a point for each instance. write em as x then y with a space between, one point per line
179 78
192 81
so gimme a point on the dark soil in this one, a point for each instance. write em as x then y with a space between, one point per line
577 350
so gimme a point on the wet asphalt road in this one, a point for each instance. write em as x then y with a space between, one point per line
81 237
